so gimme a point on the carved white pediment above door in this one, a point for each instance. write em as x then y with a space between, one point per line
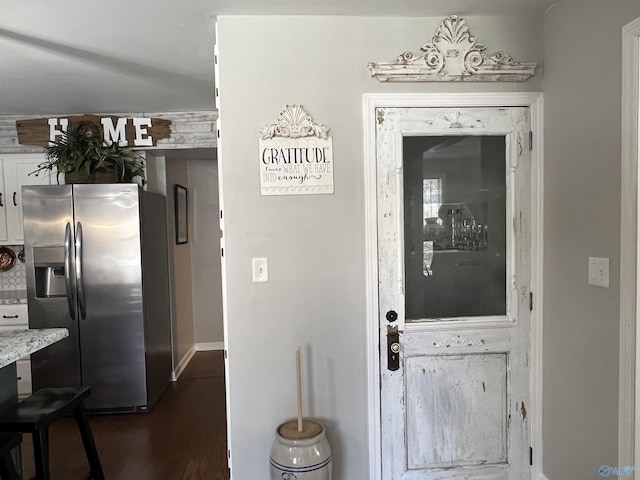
453 55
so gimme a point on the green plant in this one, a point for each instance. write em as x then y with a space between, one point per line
83 151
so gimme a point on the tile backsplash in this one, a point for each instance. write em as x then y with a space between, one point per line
15 278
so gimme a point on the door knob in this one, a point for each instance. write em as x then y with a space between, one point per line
393 348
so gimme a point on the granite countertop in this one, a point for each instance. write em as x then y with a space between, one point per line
15 344
13 297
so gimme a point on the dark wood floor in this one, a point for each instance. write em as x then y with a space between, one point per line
182 438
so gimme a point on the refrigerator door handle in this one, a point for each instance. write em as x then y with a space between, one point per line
79 280
68 272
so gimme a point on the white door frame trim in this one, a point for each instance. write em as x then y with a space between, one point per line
371 101
628 427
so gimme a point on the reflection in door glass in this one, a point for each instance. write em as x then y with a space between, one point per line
454 226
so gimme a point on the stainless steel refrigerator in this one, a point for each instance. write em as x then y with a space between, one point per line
97 265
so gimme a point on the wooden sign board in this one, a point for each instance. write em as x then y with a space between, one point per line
295 167
132 132
296 155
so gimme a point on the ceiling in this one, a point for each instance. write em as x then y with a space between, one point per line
153 55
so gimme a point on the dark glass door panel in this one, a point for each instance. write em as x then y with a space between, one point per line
454 226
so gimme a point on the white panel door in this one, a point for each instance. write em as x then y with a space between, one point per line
454 194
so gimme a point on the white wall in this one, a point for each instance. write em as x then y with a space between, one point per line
315 243
582 85
205 246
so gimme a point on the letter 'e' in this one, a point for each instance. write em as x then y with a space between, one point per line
141 139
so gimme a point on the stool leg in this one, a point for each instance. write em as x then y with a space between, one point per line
41 453
7 468
89 444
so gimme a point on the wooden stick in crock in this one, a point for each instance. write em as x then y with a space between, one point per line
299 385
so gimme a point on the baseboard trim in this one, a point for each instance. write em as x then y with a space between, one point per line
207 346
183 364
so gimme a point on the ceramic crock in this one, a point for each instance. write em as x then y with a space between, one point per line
306 459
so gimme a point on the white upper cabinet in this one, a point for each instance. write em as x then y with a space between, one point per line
14 173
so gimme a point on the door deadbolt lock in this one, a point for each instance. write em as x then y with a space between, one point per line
393 348
391 316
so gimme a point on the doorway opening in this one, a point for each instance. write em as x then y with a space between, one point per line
372 104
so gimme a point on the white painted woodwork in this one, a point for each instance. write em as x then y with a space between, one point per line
294 122
453 55
537 263
16 171
188 130
458 406
371 102
4 234
14 314
438 385
629 408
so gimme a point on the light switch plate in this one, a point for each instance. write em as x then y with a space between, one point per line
260 270
599 272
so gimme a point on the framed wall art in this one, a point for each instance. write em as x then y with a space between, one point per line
182 214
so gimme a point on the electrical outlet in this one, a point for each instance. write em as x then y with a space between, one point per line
260 270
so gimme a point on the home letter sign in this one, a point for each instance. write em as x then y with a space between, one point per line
296 155
132 132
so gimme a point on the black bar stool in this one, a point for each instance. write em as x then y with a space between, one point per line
35 414
8 441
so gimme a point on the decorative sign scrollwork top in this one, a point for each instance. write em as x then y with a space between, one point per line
294 122
459 341
296 155
452 55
